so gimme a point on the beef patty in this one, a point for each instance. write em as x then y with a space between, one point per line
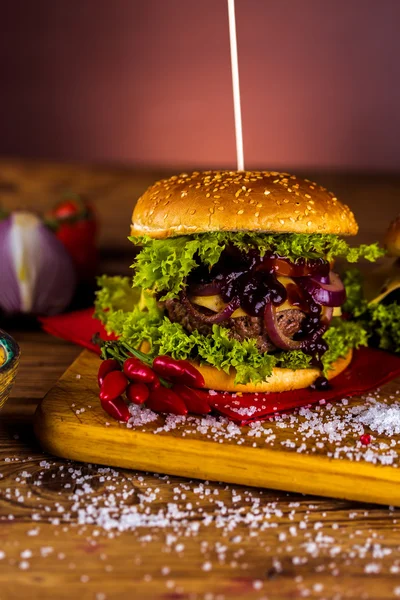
240 328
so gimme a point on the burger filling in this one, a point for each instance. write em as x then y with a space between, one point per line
239 327
236 300
280 304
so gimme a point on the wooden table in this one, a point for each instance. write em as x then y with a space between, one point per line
190 540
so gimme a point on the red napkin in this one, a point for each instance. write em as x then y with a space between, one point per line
78 327
369 369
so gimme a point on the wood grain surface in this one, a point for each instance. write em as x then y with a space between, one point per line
234 542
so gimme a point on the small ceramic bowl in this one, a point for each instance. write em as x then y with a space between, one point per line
9 360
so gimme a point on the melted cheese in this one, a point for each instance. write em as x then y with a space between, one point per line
216 304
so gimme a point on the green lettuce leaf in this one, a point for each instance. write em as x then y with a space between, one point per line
384 322
163 265
380 320
295 359
341 337
355 303
135 318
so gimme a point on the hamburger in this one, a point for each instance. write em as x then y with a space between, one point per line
235 272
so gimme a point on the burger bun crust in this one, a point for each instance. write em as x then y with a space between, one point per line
257 201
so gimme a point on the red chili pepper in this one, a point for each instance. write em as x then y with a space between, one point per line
135 370
114 384
167 401
155 384
116 408
106 366
181 371
193 399
167 367
137 393
191 375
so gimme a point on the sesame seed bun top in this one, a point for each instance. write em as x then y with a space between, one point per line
261 201
392 239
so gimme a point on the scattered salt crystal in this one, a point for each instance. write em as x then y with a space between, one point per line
372 568
382 418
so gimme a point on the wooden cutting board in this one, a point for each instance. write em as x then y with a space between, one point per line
70 423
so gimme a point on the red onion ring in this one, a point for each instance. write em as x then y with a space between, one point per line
280 340
277 337
331 293
205 289
211 319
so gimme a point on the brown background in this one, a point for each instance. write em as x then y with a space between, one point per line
148 82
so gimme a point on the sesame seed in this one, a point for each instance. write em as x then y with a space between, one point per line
307 195
240 212
282 221
259 205
257 214
266 192
309 223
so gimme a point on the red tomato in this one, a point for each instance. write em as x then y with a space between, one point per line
73 221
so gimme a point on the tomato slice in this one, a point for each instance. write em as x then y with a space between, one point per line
286 268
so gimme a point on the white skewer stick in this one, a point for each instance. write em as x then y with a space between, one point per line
236 87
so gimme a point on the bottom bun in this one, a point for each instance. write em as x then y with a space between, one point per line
281 380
